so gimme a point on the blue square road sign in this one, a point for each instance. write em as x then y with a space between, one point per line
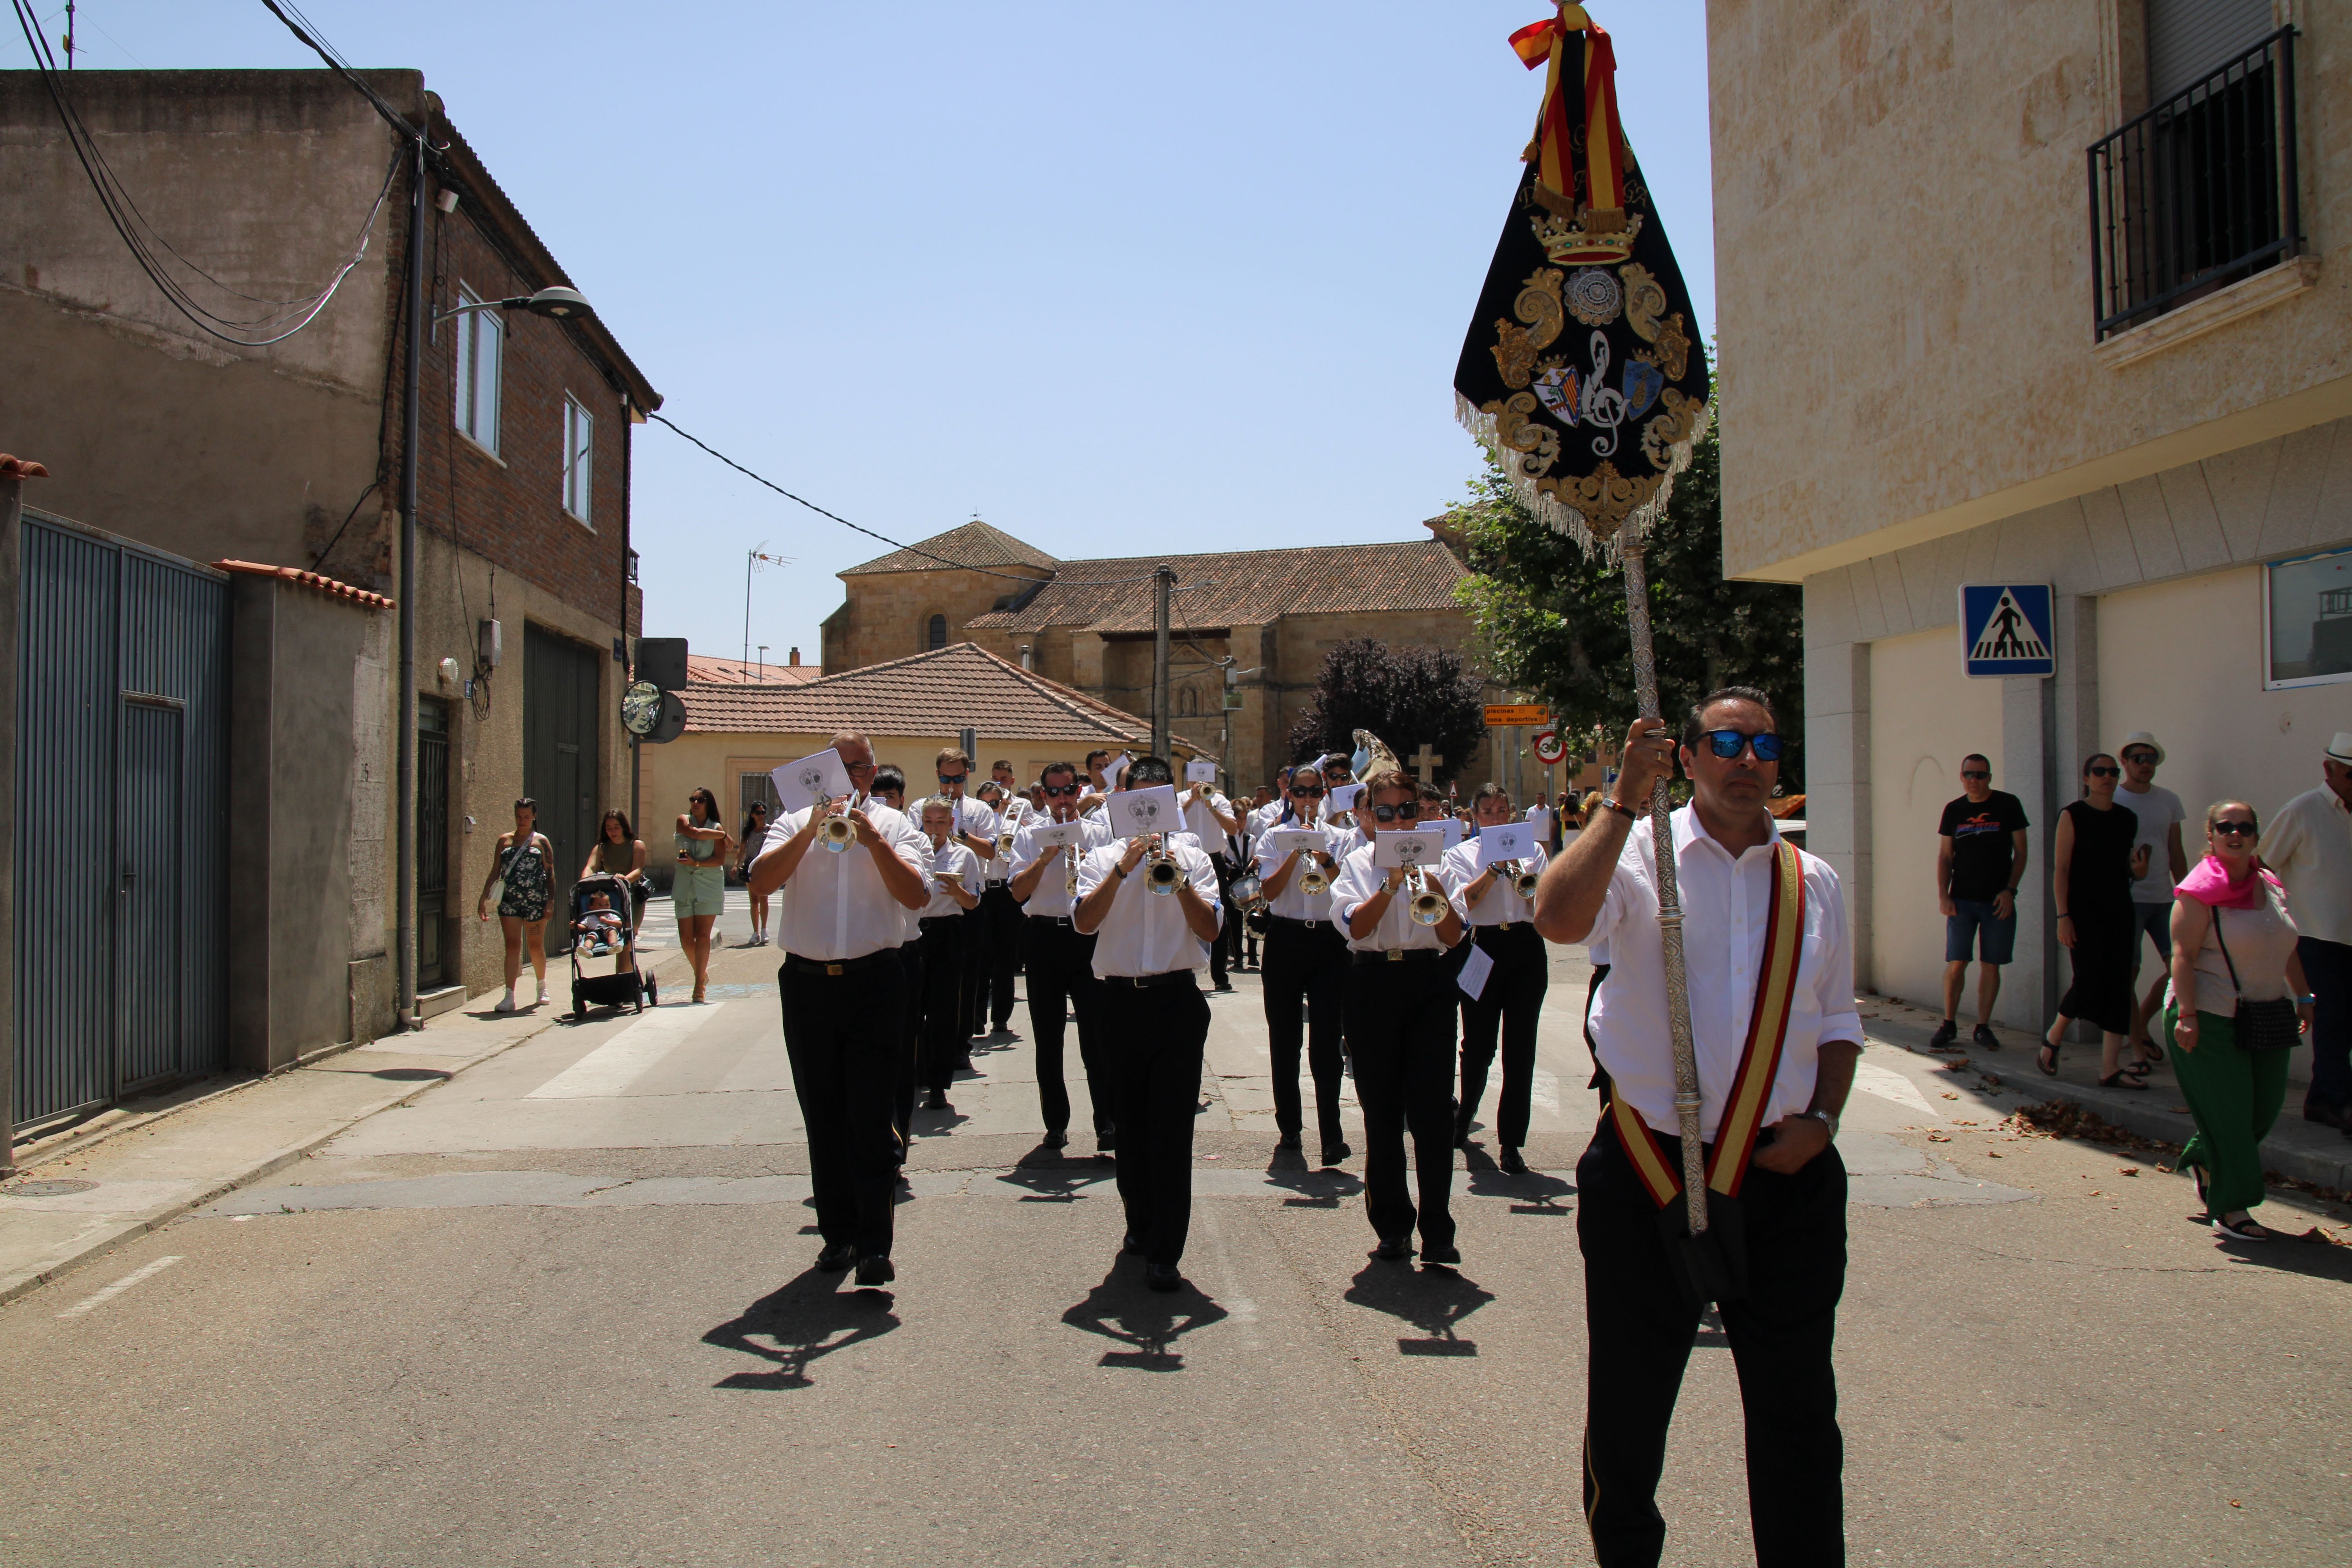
2005 629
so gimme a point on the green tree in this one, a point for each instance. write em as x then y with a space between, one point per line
1551 620
1407 697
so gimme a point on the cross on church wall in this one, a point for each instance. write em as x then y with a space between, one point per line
1425 763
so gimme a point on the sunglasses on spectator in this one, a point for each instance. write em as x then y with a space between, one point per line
2102 772
2139 756
1729 743
1061 789
1411 808
2236 829
1974 774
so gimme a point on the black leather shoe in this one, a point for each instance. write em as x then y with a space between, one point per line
1058 1139
1447 1257
1946 1033
1163 1276
1132 1246
937 1099
874 1271
1462 1135
836 1258
1392 1249
1289 1143
1513 1162
1335 1152
2327 1115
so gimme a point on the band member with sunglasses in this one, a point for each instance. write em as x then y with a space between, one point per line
1769 987
840 918
1061 958
1306 963
1509 1005
1401 1016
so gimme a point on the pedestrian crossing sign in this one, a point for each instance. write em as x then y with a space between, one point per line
2005 629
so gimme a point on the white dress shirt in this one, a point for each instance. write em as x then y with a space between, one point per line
1294 905
948 857
834 907
1502 905
1012 819
1724 906
1264 817
1200 820
2309 845
1052 895
1146 932
1360 880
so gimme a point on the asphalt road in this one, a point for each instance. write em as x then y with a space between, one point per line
560 1311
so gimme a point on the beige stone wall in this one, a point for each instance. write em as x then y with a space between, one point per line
1904 284
887 612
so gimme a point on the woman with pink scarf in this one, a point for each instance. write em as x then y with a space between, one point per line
2232 941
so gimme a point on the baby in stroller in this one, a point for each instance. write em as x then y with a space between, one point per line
600 925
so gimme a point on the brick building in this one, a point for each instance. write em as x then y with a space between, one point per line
290 456
1269 615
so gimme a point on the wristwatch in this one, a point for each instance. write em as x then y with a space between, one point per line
1826 1118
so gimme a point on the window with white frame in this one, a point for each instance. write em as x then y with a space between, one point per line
578 448
2307 620
481 354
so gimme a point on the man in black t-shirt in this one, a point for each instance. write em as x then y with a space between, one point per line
1978 865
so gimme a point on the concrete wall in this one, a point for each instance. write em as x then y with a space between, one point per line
1905 302
304 729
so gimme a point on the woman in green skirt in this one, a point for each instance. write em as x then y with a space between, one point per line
2232 941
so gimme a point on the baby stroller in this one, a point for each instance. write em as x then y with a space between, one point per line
593 937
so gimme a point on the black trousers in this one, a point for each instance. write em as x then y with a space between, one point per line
944 1036
1062 975
1309 965
910 1046
843 1035
989 970
1218 956
1156 1035
1401 1034
1639 1330
1510 1004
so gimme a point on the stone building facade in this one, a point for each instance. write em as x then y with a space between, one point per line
1268 616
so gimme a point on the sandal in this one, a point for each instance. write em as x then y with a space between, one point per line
2140 1068
2121 1078
2247 1229
2197 1172
2046 1058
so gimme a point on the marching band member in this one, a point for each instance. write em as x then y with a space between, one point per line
1209 816
952 872
999 909
1306 962
1769 967
890 789
840 920
1061 957
1401 1020
1511 1001
1149 947
974 826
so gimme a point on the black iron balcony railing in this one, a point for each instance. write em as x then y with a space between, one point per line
2199 193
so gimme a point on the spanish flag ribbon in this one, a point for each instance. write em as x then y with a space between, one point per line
1549 43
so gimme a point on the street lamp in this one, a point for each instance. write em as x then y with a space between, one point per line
563 304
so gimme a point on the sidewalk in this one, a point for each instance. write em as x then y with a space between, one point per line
141 1167
2302 1150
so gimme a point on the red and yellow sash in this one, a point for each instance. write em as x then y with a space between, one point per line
1593 100
1759 1061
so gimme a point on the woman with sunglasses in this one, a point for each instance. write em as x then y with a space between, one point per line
755 834
1401 1017
698 889
2232 941
2094 865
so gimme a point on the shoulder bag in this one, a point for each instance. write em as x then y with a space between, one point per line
2269 1026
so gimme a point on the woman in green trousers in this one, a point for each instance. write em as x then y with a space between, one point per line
2232 940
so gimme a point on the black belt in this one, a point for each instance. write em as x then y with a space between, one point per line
1050 920
1302 925
1504 926
1168 977
928 922
799 965
1401 956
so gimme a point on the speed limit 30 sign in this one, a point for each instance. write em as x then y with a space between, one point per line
1548 749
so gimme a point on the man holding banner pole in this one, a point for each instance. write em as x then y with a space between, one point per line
1772 1021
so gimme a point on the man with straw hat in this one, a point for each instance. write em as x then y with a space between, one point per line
2309 845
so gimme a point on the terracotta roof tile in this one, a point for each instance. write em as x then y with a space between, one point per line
734 671
933 693
973 544
328 586
1242 587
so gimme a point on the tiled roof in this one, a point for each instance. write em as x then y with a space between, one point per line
1240 587
16 467
734 671
973 544
934 693
309 580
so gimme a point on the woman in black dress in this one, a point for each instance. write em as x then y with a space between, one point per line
2093 869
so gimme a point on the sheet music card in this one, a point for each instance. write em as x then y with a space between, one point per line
1135 813
1414 848
1512 841
798 784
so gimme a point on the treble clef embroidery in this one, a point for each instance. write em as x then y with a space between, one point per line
1604 405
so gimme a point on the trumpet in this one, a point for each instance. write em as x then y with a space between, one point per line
1313 881
1161 874
1524 880
1429 905
835 833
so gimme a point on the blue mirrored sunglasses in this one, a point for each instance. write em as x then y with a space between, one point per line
1729 743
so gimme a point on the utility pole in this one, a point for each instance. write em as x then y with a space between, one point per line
1162 582
405 856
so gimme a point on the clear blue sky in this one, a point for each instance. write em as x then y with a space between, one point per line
1115 278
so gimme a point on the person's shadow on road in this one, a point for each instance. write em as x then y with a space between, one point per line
1433 1300
1122 1308
807 1318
